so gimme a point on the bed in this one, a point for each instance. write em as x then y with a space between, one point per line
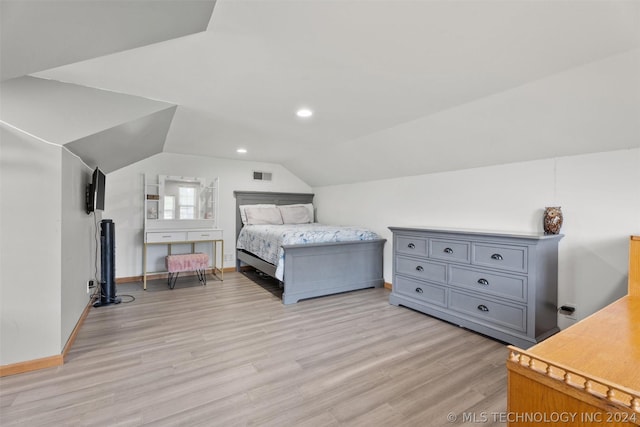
313 269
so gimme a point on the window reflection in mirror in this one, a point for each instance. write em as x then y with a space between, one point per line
185 198
169 208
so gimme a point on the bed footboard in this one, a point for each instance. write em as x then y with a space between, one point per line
329 268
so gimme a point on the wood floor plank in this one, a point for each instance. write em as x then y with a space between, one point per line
231 354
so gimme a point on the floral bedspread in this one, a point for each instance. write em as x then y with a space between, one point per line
266 241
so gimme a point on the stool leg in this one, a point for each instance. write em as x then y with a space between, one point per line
172 279
202 276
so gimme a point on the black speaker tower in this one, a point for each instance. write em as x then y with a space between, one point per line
107 264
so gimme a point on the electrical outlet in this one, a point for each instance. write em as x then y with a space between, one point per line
89 286
568 310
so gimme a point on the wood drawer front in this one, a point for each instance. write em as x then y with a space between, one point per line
450 250
421 269
514 287
204 235
411 245
167 236
421 291
499 314
512 258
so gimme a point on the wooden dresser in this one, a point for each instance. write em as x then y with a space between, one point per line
499 284
586 375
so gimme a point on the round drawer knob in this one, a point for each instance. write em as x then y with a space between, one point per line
411 246
483 307
448 250
484 282
419 290
420 268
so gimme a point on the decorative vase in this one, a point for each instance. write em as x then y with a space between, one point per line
552 220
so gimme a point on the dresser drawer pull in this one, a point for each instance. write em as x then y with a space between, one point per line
497 257
411 246
484 282
419 290
483 307
448 251
420 268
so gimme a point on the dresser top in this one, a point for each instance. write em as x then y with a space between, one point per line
478 232
605 344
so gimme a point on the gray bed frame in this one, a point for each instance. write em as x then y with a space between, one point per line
317 269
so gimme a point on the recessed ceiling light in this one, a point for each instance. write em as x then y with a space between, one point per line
241 150
304 113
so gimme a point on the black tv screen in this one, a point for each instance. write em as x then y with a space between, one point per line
96 191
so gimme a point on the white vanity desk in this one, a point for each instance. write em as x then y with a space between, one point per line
180 216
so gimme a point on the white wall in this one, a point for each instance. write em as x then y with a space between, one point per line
124 197
29 248
45 246
599 195
78 245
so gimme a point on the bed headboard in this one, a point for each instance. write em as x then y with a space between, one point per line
258 197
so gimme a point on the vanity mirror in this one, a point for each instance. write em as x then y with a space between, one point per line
180 198
185 198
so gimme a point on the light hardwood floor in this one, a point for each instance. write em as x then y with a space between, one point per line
232 354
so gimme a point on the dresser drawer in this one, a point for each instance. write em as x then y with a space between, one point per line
496 313
421 269
204 235
421 291
512 258
167 236
411 245
449 250
504 285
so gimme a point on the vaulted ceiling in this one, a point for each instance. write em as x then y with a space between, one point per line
397 87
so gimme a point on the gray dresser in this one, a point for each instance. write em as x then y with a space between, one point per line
503 285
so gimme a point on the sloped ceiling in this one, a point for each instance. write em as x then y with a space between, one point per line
106 129
397 87
36 35
103 128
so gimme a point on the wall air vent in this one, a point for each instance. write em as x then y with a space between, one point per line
262 176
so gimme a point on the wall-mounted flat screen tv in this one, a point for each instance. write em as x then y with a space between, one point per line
96 191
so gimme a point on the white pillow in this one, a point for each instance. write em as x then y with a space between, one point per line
259 216
295 214
309 207
243 214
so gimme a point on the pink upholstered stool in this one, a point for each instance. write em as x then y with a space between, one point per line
197 262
